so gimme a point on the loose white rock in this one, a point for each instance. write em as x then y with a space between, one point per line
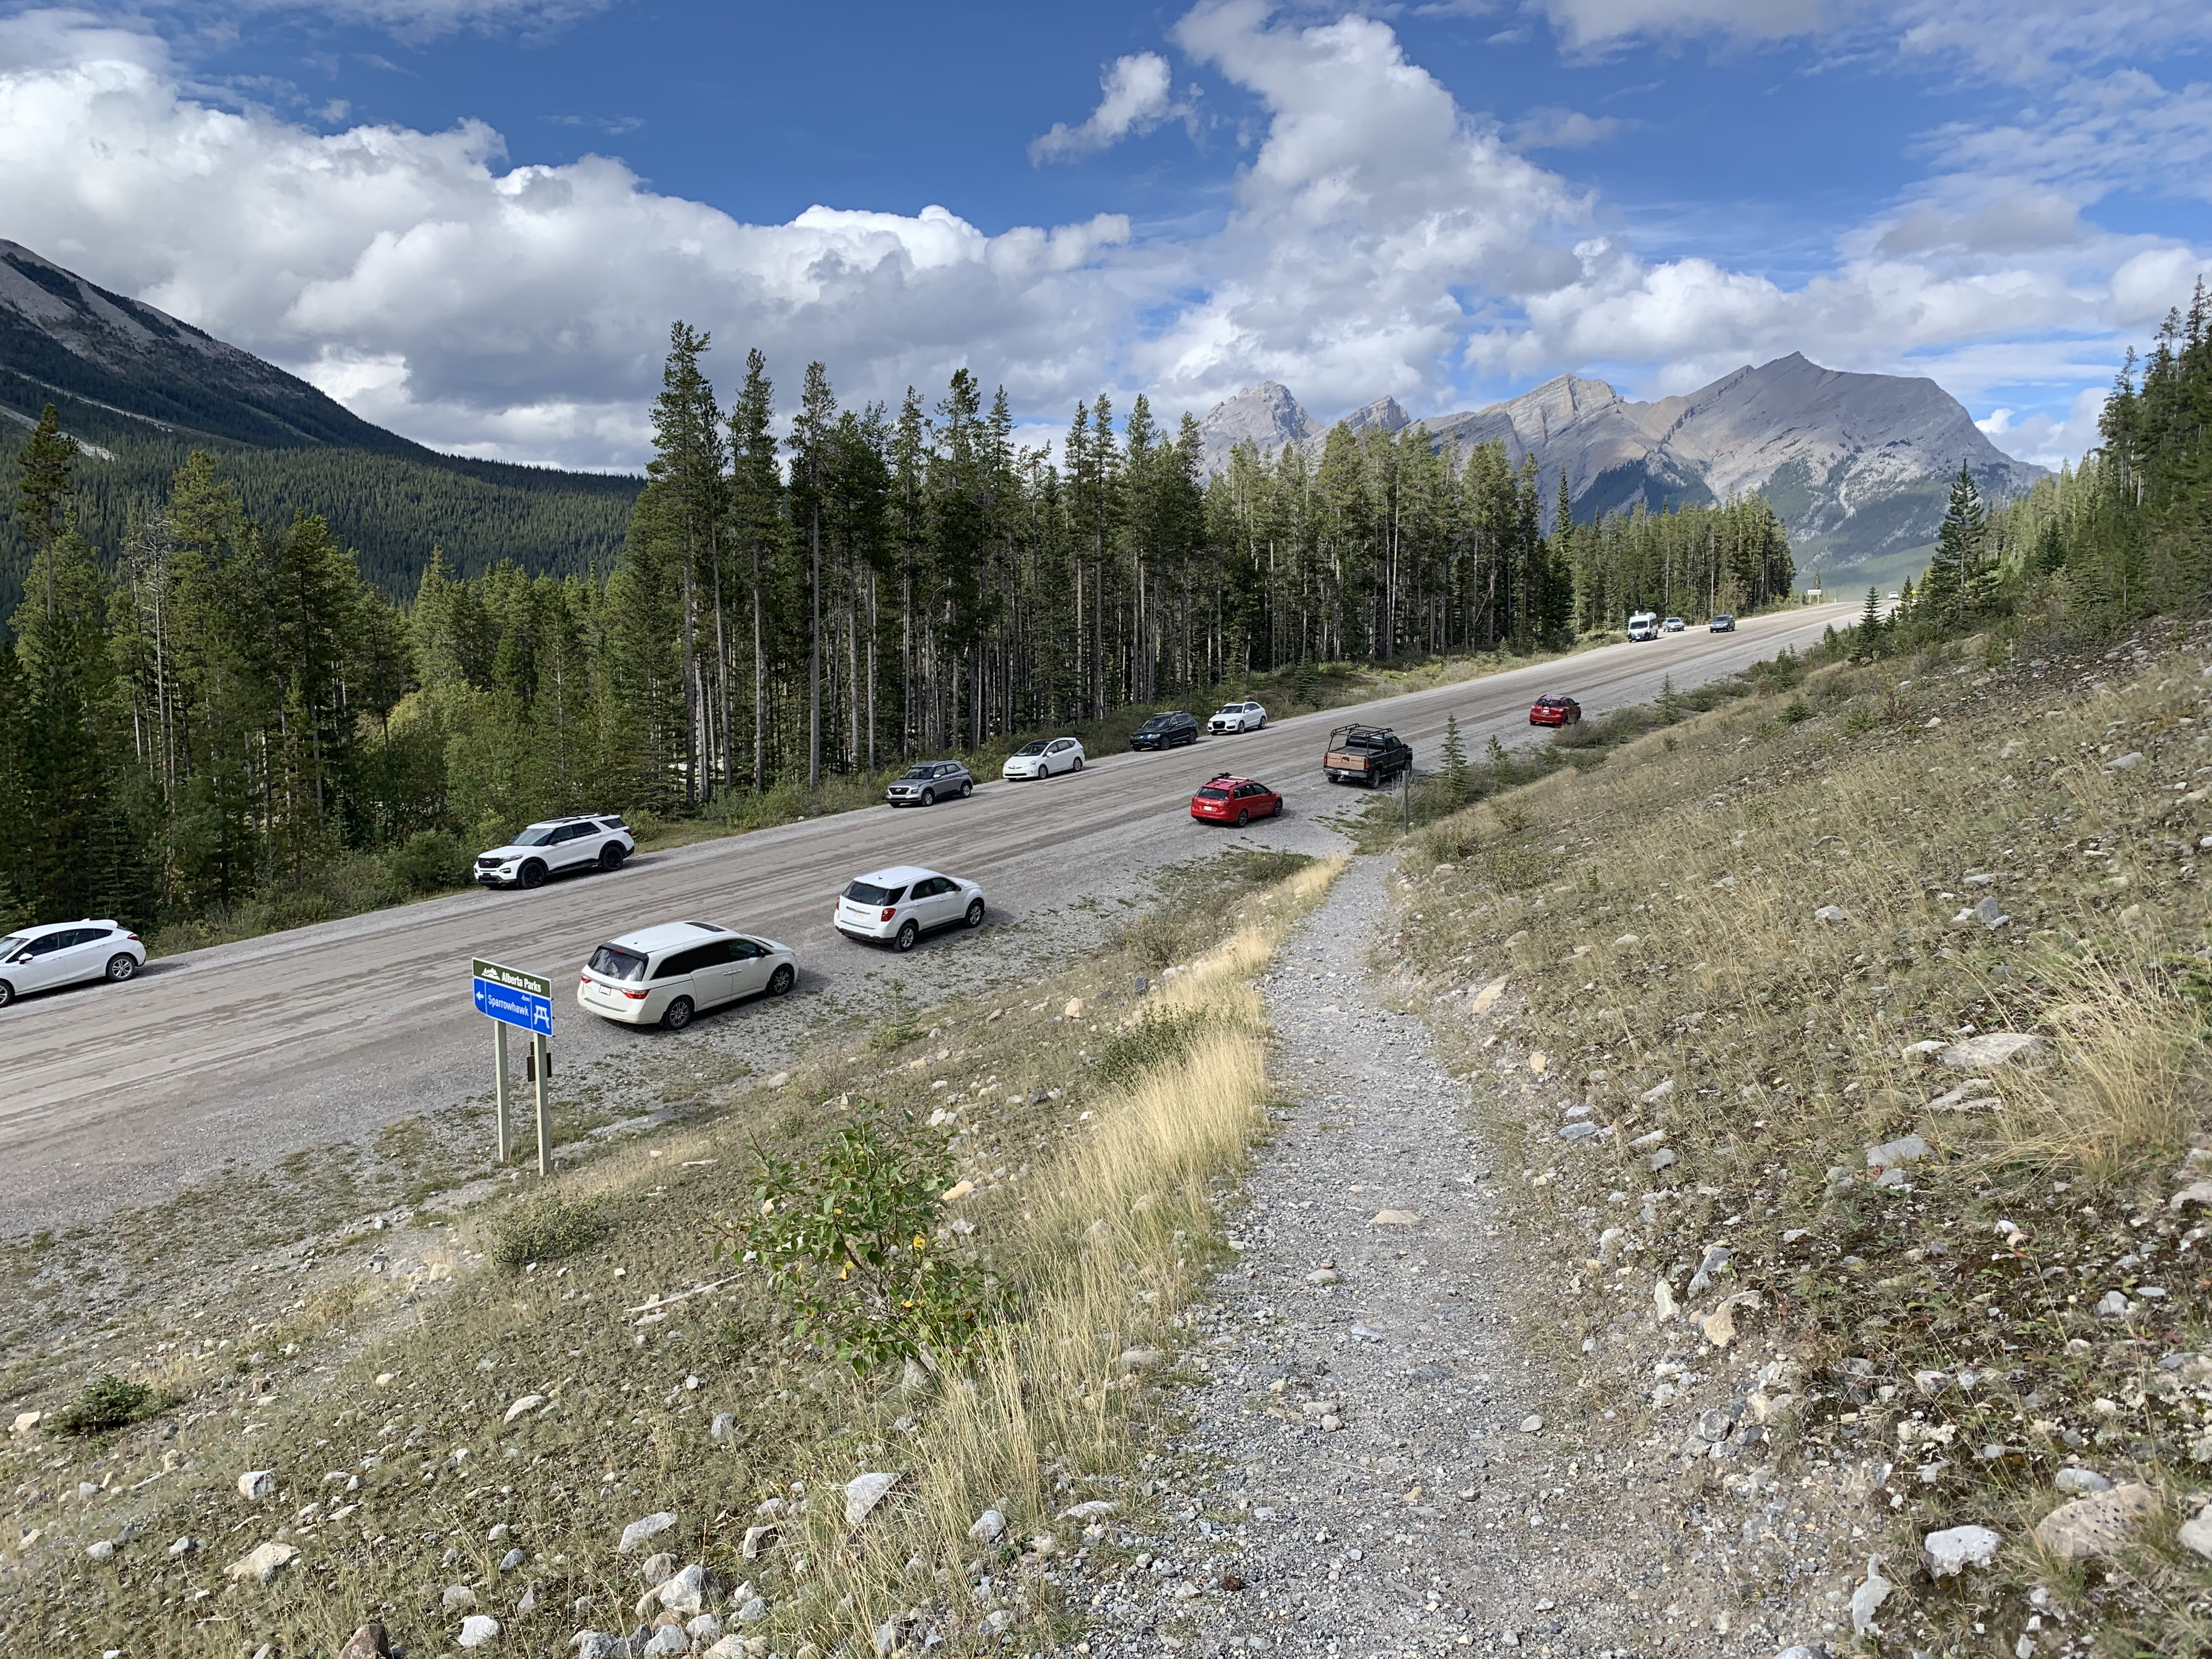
102 1550
2081 1483
2103 1523
2196 1534
257 1484
262 1563
1892 1154
479 1630
529 1402
638 1531
988 1527
1874 1589
458 1595
1831 914
1991 1049
1951 1552
686 1592
1532 1424
864 1492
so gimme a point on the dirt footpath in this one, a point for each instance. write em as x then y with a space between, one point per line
1377 1463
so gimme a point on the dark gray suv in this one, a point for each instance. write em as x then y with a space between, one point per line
1169 730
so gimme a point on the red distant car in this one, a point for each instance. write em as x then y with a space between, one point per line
1555 711
1227 800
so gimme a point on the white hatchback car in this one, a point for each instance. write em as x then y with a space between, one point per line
900 904
664 975
67 953
1044 757
1237 717
599 841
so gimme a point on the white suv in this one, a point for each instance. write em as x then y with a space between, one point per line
1237 717
898 904
600 842
67 953
663 975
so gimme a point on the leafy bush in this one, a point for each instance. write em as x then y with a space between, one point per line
846 1240
109 1403
429 860
546 1229
1137 1048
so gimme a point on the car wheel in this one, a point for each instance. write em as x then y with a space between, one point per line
678 1014
974 917
908 933
929 797
7 993
533 874
1244 818
780 981
612 856
1078 767
120 967
966 790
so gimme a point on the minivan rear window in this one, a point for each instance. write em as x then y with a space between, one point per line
612 961
861 892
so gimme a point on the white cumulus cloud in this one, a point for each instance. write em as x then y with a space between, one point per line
1137 94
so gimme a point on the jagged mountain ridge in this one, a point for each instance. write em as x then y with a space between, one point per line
1856 466
139 390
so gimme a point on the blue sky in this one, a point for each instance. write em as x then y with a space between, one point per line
472 220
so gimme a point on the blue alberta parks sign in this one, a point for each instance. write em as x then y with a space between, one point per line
513 997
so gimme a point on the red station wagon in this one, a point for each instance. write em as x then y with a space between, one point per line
1555 711
1227 800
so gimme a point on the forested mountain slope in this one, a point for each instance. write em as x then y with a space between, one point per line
140 390
1857 466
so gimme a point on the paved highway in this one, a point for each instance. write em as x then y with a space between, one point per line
111 1095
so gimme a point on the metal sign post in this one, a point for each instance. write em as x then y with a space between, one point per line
509 996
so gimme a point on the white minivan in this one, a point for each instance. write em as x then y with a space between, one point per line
664 975
67 953
1644 625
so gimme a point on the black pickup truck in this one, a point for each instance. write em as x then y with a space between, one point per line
1372 755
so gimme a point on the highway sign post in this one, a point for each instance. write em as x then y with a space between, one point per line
509 996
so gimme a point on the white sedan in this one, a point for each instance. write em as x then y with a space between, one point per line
664 975
898 905
1044 757
1237 717
67 953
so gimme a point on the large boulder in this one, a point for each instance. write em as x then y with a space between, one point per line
2103 1523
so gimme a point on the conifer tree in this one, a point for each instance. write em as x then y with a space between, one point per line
1870 640
1456 778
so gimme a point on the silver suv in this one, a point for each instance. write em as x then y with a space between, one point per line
600 842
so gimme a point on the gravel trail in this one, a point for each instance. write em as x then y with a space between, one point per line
1365 1474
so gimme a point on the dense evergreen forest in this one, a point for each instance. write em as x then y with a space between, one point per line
211 707
2127 533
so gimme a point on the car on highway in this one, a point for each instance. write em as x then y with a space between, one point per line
1673 625
1044 757
1552 709
1894 594
1644 625
1723 623
930 781
664 975
1372 755
67 953
597 840
1237 717
1168 731
898 905
1227 799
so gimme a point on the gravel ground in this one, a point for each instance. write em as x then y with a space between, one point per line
1380 1465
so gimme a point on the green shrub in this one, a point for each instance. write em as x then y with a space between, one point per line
109 1403
1134 1049
845 1239
430 861
546 1229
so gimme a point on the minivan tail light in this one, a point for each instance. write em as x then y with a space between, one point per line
890 910
636 996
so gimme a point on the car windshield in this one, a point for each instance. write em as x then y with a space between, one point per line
612 961
919 772
1232 708
1158 723
537 835
864 892
12 943
1030 748
1211 793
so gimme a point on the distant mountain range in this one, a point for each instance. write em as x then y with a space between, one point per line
140 390
1857 466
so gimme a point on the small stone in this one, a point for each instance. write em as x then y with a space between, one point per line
592 1645
1801 1652
886 1640
369 1642
479 1630
1950 1553
1073 1010
637 1532
1396 1218
1991 1049
500 1534
656 1568
1324 1276
730 1647
1532 1424
184 1546
1874 1589
510 1561
1582 1131
102 1550
705 1628
257 1484
2114 1304
754 1611
724 1423
2197 1191
458 1595
1657 1092
1991 915
2101 1524
686 1592
1138 1360
667 1642
1831 914
26 1421
864 1492
988 1526
1716 1259
1665 1158
955 1192
758 1542
1096 1508
2196 1534
2124 762
1891 1154
1715 1424
529 1402
2081 1483
263 1563
777 1081
529 1601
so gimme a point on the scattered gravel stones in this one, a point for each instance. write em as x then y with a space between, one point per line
1951 1552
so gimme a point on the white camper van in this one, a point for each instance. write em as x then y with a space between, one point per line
1644 625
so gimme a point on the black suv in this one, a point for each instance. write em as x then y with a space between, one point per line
1169 730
